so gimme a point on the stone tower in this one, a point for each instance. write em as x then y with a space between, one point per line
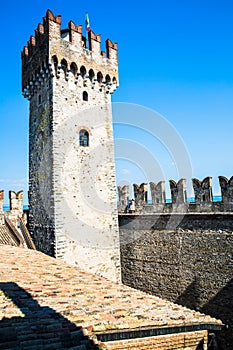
68 81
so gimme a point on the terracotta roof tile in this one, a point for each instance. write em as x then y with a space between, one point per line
37 286
6 237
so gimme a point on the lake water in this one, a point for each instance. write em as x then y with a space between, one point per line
190 200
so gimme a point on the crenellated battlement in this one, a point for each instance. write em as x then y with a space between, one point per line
16 207
53 51
203 197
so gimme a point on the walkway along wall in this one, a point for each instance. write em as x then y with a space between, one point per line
183 256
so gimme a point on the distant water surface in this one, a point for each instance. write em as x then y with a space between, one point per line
168 200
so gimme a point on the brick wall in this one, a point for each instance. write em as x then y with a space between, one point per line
184 341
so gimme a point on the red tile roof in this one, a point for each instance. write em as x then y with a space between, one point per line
56 298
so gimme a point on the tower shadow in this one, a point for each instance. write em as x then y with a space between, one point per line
41 327
190 298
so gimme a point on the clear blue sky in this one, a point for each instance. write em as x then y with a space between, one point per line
175 57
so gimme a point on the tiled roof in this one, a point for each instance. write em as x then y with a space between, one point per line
9 235
6 237
44 300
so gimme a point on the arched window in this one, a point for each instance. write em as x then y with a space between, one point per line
55 62
99 77
91 74
83 138
64 65
85 96
107 78
83 71
73 68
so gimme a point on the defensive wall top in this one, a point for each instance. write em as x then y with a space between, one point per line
202 192
70 44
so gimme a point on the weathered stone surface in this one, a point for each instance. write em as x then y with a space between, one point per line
186 259
202 203
72 190
123 197
203 190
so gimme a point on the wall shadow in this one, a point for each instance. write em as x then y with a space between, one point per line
220 307
41 327
190 298
200 345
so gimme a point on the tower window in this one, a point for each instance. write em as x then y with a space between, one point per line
83 138
39 100
85 96
55 62
83 71
99 77
91 74
107 78
73 68
64 65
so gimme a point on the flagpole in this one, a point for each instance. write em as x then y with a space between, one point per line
87 41
87 25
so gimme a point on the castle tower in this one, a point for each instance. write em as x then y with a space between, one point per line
68 81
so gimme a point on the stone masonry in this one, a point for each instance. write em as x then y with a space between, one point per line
203 197
182 251
72 192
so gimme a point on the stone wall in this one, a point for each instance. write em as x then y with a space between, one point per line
183 258
15 212
203 197
72 192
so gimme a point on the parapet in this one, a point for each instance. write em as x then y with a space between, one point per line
178 191
51 48
203 190
226 189
203 201
140 193
123 195
16 207
158 192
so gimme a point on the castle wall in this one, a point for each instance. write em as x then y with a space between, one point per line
86 221
41 201
72 193
182 258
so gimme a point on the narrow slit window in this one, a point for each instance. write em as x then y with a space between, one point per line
39 100
83 138
85 96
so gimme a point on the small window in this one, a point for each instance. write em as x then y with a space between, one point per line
83 138
85 96
73 68
99 77
83 71
39 100
64 65
107 78
91 74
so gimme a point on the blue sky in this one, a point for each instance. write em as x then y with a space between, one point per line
175 57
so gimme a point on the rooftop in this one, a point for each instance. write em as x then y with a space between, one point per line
37 290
